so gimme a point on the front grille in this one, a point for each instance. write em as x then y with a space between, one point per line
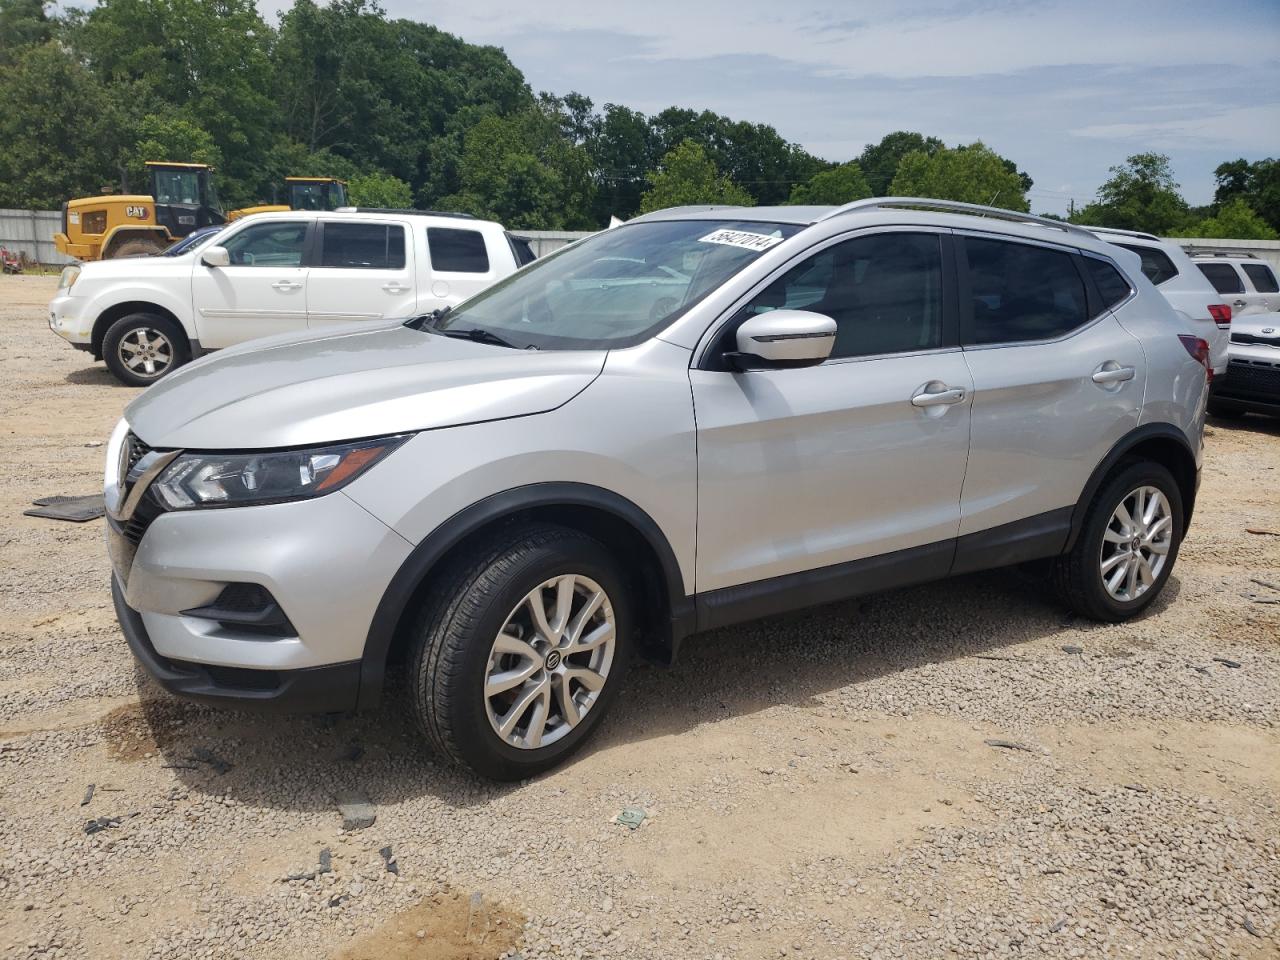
137 450
1251 378
1256 339
143 516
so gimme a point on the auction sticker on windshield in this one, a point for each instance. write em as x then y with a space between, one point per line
741 238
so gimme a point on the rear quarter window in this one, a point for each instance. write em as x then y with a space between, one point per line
1223 276
457 251
1264 281
1111 284
1156 265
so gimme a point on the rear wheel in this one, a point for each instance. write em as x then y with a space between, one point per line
522 652
1127 547
147 246
142 347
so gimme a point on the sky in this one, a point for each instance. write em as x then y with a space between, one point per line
1065 89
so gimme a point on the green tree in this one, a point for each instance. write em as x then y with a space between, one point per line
1140 195
623 149
23 24
687 175
60 130
167 138
1258 184
971 174
1235 220
835 186
379 190
879 161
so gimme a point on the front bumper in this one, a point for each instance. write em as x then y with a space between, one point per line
1252 383
325 562
66 319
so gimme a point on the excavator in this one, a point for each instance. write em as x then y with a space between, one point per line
183 198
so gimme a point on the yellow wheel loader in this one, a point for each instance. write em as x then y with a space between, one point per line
304 193
182 199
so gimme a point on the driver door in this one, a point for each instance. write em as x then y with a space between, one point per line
262 292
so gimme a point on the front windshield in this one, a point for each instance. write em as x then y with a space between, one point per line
190 241
614 289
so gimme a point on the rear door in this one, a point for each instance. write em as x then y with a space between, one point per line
1263 286
362 270
1056 379
262 292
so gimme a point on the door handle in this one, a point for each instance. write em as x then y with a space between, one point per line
1113 375
948 396
1238 303
287 285
394 287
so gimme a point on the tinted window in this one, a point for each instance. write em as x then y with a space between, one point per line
1156 265
457 251
1264 281
372 246
884 293
1223 276
522 249
274 244
1110 282
1021 292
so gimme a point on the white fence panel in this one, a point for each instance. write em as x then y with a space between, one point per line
30 233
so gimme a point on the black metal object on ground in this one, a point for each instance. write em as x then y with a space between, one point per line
75 509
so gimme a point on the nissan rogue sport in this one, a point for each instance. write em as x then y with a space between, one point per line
704 416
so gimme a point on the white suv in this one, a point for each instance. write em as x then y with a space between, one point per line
701 417
274 273
1188 291
1247 283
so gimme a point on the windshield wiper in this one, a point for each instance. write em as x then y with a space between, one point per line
476 334
425 320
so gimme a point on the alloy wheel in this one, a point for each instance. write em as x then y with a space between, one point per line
1136 543
145 352
550 661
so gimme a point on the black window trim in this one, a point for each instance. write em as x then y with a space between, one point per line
709 353
1092 300
313 246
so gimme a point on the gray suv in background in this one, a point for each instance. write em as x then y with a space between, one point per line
704 416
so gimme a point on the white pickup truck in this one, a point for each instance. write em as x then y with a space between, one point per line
274 273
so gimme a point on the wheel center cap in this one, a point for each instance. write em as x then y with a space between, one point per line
1137 542
553 659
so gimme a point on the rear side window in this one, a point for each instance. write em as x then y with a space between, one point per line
1110 282
1156 265
522 250
1022 292
369 246
1223 276
1264 281
457 251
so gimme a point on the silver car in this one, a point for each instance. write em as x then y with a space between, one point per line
786 406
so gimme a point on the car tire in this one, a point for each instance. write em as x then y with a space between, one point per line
140 348
480 632
1106 547
139 246
1225 411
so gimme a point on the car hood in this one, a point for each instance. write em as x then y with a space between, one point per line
1257 324
349 383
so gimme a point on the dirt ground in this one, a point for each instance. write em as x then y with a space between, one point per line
816 786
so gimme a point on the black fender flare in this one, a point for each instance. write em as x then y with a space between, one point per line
1122 447
424 557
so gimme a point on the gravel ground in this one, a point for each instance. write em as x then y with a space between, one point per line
816 786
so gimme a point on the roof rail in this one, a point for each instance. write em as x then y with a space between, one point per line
687 208
955 206
1136 234
401 210
1210 252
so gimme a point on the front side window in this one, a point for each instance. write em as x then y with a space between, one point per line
275 244
1111 284
1264 281
1022 292
1156 264
457 251
369 246
1223 276
616 288
883 291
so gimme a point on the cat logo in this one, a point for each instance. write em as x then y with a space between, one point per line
140 213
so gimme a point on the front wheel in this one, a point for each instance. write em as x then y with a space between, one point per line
142 347
522 652
1127 547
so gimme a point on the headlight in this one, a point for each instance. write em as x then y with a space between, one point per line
240 479
69 277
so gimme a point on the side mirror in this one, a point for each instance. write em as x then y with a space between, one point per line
216 257
784 338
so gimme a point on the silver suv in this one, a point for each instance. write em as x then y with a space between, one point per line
705 416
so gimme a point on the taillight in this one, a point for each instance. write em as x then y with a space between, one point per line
1221 314
1199 350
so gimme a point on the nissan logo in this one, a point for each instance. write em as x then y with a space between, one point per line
553 659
